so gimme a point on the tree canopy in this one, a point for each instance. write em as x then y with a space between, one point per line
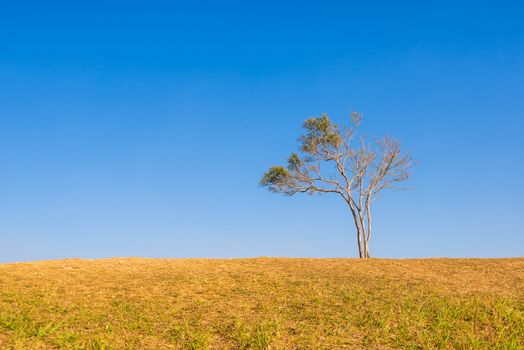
335 159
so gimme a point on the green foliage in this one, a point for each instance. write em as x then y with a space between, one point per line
277 179
321 138
321 134
275 175
294 162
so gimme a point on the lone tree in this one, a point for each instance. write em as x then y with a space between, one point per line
334 159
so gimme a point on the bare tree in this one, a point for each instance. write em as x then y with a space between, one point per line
333 160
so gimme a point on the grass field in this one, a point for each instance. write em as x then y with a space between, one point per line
263 303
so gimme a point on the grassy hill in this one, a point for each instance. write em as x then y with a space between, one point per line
263 303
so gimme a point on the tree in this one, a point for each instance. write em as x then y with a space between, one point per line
333 160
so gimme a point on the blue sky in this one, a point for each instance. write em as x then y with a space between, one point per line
134 129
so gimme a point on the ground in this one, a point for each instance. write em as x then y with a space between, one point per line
263 303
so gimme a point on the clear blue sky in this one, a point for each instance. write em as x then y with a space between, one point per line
142 128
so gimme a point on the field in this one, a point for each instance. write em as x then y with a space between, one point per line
263 303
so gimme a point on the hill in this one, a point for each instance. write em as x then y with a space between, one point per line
263 303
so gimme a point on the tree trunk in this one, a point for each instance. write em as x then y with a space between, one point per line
368 214
366 252
366 248
360 240
360 247
360 235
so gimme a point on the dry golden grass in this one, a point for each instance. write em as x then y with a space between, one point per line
263 303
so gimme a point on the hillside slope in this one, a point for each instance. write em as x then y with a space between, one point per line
262 303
